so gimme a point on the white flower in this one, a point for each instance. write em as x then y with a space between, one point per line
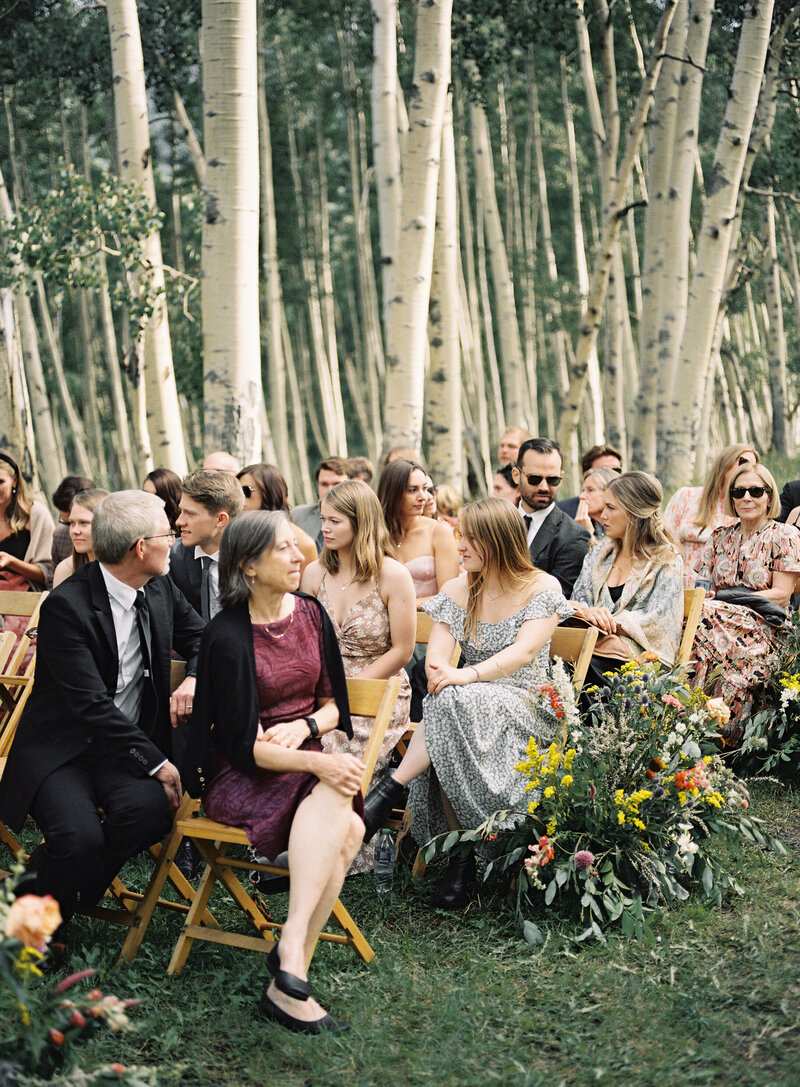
686 846
680 728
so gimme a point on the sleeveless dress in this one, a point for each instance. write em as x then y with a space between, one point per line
423 574
363 637
477 733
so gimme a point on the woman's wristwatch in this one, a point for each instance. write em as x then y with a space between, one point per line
313 727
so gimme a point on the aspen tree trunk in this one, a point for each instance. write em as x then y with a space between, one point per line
303 488
22 348
512 364
386 142
776 338
496 400
135 165
443 399
615 209
272 296
232 390
722 189
190 136
91 367
407 331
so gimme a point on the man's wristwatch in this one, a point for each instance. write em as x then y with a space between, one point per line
313 727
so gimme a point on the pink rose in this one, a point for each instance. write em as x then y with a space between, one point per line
32 920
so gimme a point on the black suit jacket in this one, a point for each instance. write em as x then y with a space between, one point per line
559 548
71 707
790 497
187 573
569 506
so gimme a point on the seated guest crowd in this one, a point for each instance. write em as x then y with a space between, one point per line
273 608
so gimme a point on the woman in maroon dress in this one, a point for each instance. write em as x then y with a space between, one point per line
270 682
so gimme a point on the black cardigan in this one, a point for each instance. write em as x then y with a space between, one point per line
226 698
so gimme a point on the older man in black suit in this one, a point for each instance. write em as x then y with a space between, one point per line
557 544
96 732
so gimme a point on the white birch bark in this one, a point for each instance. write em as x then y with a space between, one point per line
385 141
722 189
407 332
775 337
135 165
443 398
615 208
231 340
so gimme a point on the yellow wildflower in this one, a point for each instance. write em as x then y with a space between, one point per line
549 791
639 824
620 817
566 781
551 826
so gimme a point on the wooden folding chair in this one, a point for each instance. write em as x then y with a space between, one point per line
692 612
9 728
575 646
368 698
14 673
134 910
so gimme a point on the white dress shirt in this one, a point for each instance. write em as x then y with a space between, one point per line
538 518
213 577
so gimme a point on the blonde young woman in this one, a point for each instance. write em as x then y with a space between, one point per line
630 586
81 513
693 513
426 547
370 599
478 718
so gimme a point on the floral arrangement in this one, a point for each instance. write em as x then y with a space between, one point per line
624 810
40 1022
771 742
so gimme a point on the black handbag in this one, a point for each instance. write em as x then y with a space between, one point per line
771 613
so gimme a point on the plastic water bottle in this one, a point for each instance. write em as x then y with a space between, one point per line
383 865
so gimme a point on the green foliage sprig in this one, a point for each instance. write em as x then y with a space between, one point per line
771 741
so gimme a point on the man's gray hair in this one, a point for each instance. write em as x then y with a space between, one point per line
120 520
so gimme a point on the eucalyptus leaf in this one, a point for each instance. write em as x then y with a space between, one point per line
550 893
532 933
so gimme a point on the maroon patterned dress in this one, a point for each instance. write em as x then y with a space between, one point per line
734 636
290 676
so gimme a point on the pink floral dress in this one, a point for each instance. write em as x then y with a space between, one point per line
679 517
734 636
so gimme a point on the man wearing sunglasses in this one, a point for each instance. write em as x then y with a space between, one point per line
557 544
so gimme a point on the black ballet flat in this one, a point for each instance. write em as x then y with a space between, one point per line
327 1025
289 984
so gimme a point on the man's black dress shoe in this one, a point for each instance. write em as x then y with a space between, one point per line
458 884
386 795
270 1010
288 984
187 859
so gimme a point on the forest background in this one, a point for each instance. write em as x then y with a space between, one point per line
295 229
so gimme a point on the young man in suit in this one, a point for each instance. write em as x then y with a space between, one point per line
98 727
209 501
557 544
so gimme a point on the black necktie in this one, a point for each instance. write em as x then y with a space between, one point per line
205 588
526 517
145 644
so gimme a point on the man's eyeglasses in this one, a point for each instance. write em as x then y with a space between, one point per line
754 492
552 481
158 536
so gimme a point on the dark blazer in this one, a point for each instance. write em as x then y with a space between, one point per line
187 573
72 701
226 700
790 497
559 548
569 506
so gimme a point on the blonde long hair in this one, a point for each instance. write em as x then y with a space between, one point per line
356 501
646 536
494 528
712 492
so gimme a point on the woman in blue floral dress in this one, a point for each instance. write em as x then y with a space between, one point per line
478 717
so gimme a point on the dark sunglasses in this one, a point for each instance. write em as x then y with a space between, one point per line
552 481
433 488
754 492
248 491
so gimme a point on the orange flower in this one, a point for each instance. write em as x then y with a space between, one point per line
32 920
650 656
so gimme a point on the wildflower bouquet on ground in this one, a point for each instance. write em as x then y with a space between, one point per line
771 742
625 811
39 1022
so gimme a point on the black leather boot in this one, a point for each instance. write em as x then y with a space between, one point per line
386 795
458 884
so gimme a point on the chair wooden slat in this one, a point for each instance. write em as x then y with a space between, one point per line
574 645
692 613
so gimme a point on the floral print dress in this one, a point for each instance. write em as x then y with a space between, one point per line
679 517
734 636
477 733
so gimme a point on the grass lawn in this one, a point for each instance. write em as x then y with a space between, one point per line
460 999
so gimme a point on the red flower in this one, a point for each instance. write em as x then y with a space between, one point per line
77 1019
56 1037
118 1068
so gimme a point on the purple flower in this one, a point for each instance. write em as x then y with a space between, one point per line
583 859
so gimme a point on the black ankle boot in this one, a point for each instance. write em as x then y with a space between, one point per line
386 795
458 883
